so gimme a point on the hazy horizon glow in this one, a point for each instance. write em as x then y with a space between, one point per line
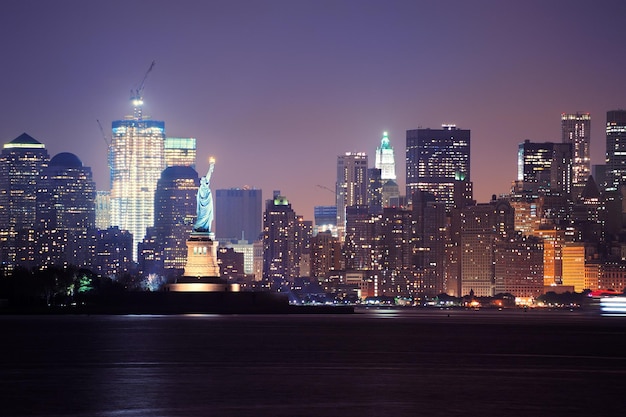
275 90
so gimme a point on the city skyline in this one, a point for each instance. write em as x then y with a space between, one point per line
277 90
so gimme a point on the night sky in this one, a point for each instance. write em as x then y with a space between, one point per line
275 90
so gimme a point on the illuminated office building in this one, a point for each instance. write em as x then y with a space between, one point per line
325 219
66 213
481 227
21 165
612 276
561 180
589 214
113 254
576 130
360 239
553 242
281 259
247 249
519 266
164 250
385 160
326 255
396 239
615 149
375 190
304 233
352 185
431 239
437 159
545 167
136 162
534 161
71 194
231 264
180 152
103 210
175 214
574 265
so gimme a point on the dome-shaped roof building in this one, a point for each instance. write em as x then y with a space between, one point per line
66 159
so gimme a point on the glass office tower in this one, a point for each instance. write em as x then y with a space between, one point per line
136 162
21 165
435 160
576 130
615 149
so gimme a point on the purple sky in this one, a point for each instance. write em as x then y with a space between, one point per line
275 90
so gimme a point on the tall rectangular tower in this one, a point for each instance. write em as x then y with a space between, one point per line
66 213
238 215
136 161
385 160
175 214
281 257
435 160
615 149
576 130
352 185
22 163
481 226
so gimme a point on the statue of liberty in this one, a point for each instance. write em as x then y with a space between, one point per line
205 202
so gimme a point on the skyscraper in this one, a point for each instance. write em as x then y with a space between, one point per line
180 152
431 238
66 213
481 226
325 254
238 214
113 252
374 190
103 210
545 167
396 239
280 257
360 249
21 165
352 185
435 160
71 194
519 266
325 219
385 160
576 130
136 161
175 213
615 149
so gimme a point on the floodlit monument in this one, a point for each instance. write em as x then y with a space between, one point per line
202 273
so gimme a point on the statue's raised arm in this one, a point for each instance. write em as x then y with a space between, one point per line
205 202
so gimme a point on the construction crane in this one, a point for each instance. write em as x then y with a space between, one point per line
327 189
136 95
104 136
107 141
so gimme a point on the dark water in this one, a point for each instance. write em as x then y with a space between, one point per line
377 363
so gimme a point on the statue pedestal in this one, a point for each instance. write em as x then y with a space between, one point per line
202 273
201 256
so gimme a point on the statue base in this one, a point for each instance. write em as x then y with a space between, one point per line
201 256
202 284
202 273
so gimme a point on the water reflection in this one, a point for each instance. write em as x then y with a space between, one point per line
375 362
